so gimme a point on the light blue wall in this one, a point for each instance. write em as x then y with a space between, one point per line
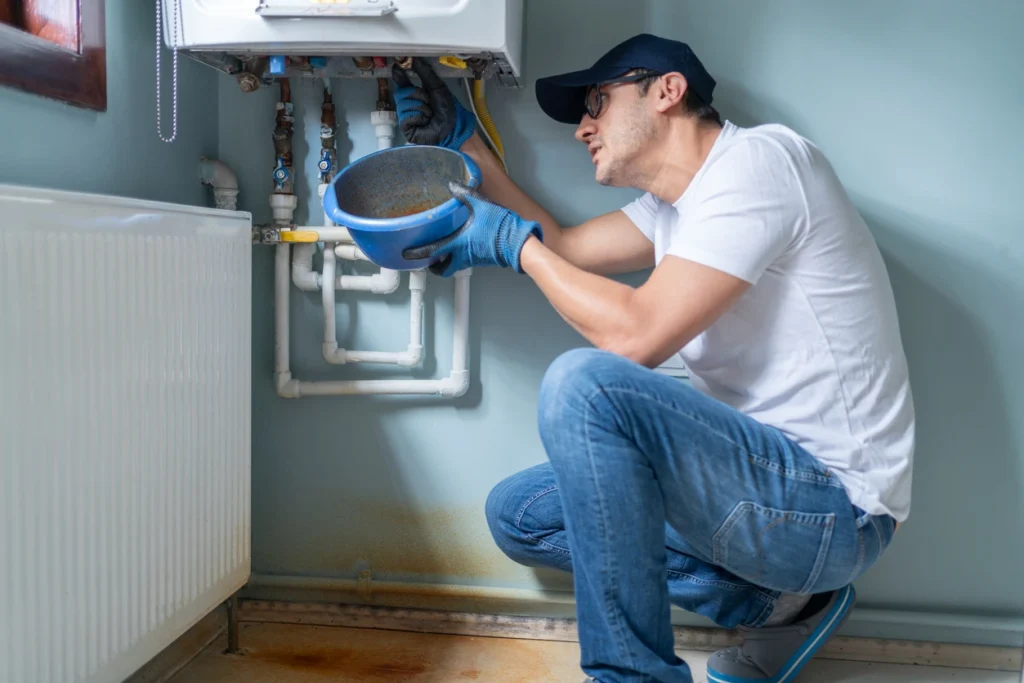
52 144
916 103
918 106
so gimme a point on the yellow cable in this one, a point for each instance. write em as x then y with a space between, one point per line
480 102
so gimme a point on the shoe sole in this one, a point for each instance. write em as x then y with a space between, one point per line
826 627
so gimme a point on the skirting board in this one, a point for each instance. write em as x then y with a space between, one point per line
549 628
864 622
869 634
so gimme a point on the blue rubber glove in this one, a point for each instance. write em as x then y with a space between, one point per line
430 114
492 236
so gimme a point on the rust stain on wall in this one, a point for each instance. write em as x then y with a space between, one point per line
397 539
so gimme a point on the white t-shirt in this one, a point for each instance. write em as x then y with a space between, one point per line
813 347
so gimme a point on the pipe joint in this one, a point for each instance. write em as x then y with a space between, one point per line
285 386
412 357
456 384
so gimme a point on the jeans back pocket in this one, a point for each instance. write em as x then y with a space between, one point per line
781 550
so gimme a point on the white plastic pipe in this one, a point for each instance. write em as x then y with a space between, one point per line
384 282
350 252
411 357
384 123
329 233
283 382
283 207
459 378
455 385
222 179
303 275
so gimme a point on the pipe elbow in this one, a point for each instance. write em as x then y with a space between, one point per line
222 179
303 275
285 386
412 356
385 282
217 174
350 252
331 354
456 384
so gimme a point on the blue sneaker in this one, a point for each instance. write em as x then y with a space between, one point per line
776 654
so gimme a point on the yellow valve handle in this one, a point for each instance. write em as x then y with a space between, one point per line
299 236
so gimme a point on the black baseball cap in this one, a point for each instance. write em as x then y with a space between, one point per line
563 97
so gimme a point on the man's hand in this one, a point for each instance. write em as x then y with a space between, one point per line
430 114
493 236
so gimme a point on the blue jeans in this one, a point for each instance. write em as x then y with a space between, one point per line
656 494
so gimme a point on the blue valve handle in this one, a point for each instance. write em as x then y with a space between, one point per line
280 174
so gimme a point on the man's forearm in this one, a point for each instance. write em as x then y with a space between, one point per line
602 310
502 190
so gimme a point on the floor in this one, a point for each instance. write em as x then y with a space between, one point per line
316 654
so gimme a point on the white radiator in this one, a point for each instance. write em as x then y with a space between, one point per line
124 428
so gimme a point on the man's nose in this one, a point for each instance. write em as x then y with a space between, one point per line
586 129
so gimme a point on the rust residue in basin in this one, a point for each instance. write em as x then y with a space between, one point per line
408 209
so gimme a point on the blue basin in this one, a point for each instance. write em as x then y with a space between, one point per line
398 198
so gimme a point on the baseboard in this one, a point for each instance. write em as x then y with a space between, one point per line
903 636
561 629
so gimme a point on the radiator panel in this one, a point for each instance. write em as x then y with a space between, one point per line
125 351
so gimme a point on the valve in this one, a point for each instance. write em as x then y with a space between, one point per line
280 174
325 162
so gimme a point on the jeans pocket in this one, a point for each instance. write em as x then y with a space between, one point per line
781 550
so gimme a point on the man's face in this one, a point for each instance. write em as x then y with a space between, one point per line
619 135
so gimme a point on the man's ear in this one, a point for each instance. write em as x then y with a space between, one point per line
669 91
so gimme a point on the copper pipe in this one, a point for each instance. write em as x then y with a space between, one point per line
283 140
328 155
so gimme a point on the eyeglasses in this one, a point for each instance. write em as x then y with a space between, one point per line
595 98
